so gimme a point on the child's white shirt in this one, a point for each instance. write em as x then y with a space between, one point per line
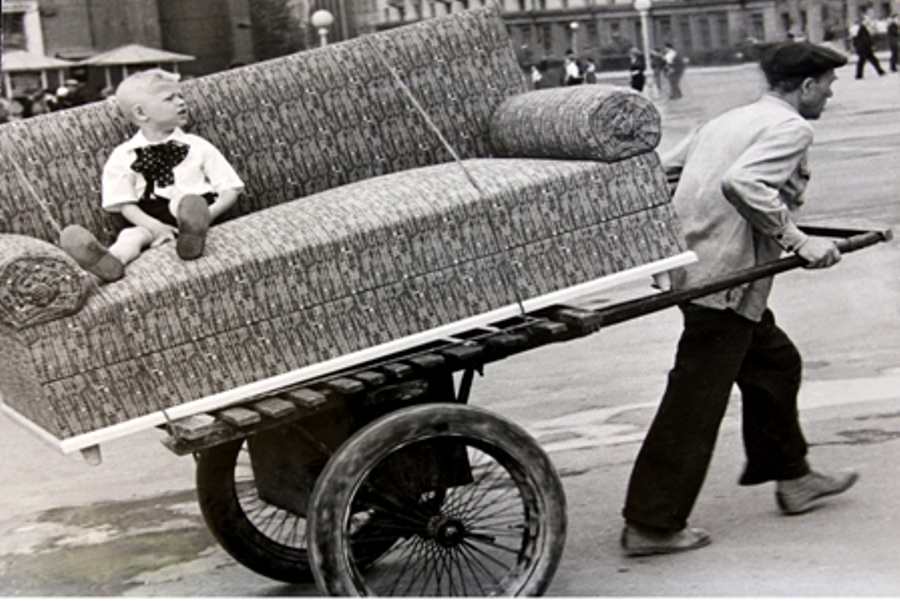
203 170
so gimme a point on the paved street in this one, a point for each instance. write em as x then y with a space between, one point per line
131 527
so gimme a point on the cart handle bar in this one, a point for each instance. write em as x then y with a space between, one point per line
851 240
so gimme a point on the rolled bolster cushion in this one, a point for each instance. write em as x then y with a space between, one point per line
38 282
594 122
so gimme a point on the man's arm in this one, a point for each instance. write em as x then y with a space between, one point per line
759 179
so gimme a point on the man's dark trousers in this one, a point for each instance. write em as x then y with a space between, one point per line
718 348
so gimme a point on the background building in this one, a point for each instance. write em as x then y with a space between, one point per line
707 31
223 33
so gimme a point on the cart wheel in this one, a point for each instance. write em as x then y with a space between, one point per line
471 504
268 540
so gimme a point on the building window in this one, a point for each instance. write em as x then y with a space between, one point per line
686 39
547 38
785 22
665 31
723 40
757 27
593 35
522 6
14 31
705 34
525 34
615 30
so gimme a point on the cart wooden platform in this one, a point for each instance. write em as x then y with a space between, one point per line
380 479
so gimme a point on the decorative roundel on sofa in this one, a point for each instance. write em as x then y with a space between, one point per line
38 289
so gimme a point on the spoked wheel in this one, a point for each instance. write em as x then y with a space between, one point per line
469 502
263 537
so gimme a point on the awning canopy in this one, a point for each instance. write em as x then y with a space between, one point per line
17 61
135 54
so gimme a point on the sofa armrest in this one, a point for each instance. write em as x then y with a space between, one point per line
38 282
594 122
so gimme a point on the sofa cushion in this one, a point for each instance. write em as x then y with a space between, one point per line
599 122
339 271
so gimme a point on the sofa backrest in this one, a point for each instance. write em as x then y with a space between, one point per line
290 126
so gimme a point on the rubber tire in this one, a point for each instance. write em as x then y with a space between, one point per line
235 532
347 470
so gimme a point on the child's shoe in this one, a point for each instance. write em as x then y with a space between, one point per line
87 251
193 223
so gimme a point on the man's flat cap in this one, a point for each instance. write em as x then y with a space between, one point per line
800 59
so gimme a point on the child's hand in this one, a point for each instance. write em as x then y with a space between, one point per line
162 233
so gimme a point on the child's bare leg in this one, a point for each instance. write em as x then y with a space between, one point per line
130 243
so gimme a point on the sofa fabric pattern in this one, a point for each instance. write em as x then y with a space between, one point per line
357 229
290 126
344 270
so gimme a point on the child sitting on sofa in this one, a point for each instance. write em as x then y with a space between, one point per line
167 183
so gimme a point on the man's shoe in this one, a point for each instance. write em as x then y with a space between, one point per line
800 494
639 542
193 223
92 256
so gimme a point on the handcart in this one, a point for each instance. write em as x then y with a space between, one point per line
382 480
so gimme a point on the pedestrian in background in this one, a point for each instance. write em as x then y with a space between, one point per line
572 75
740 177
893 41
674 68
637 65
71 94
43 102
536 77
590 71
865 49
659 66
19 108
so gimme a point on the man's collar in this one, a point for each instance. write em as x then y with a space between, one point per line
777 99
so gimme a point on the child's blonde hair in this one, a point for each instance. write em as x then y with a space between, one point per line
136 87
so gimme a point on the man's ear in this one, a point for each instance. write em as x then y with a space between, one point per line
808 84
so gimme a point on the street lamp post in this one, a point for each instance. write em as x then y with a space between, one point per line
322 20
643 7
574 27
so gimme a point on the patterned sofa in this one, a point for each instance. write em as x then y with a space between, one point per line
358 229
